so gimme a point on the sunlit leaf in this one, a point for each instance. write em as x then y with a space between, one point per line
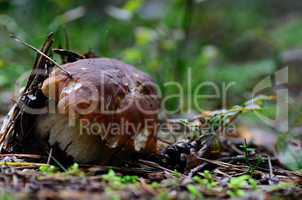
133 5
144 36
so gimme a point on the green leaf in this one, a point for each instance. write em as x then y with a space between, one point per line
144 36
74 170
133 5
6 196
48 169
194 192
132 55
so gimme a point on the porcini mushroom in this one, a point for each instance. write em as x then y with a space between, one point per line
100 108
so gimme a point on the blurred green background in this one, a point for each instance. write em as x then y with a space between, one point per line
223 41
237 42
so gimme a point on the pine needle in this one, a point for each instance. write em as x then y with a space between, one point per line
40 52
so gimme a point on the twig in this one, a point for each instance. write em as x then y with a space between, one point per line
281 171
57 162
270 167
196 169
241 158
41 53
218 171
21 164
146 187
30 156
156 165
49 156
223 164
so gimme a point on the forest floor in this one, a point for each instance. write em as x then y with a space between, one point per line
239 171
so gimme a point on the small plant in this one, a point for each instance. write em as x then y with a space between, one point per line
155 185
163 196
247 151
6 196
129 179
281 186
237 185
118 181
74 170
221 121
176 174
113 179
208 181
48 169
195 193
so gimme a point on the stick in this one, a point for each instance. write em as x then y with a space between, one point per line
49 156
30 156
40 52
270 167
21 164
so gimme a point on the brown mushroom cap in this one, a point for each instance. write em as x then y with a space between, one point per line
105 90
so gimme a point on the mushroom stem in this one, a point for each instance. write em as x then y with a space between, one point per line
41 53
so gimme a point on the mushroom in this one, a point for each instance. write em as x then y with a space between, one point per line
99 109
